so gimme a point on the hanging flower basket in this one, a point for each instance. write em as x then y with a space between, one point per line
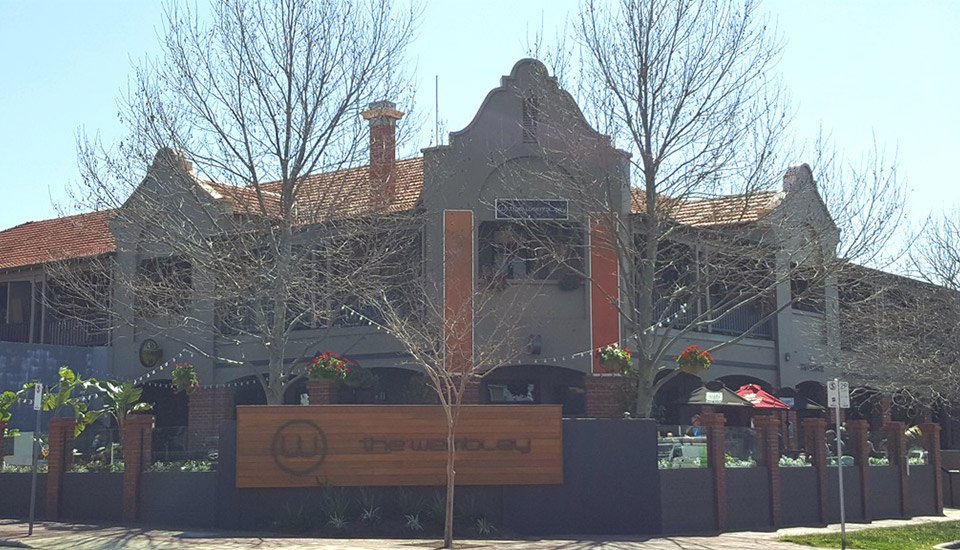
693 360
328 366
614 358
184 378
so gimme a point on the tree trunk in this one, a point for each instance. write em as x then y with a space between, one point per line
643 408
451 478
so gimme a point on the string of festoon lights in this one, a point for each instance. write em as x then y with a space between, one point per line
540 360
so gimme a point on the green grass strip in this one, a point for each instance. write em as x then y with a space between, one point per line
912 537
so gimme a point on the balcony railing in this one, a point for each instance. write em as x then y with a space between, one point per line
74 332
17 332
735 323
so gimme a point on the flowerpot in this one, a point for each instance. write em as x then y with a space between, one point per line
614 365
693 369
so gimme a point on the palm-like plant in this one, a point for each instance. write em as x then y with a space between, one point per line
62 397
122 400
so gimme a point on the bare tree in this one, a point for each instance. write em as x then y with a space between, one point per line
457 336
251 222
703 238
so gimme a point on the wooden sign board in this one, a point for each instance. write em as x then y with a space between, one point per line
380 445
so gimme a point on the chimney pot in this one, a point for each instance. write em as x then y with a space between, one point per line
383 117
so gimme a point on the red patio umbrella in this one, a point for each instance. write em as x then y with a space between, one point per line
760 399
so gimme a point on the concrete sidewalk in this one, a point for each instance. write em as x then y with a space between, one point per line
97 537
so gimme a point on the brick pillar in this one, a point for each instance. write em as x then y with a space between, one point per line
322 391
209 408
832 416
716 461
137 456
602 399
897 453
768 428
59 459
857 434
931 442
471 392
880 413
816 446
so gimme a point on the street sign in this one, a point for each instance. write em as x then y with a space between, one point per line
838 391
37 396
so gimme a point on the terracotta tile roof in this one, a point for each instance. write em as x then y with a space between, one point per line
728 210
45 241
331 195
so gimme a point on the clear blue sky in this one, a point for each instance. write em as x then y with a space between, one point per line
860 68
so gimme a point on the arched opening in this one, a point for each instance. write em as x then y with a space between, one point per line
536 384
171 410
669 405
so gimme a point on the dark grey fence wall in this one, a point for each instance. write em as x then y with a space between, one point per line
686 497
611 486
162 498
15 495
852 497
920 485
92 497
748 499
799 504
885 492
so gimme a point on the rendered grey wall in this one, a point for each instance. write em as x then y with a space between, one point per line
15 491
884 492
799 501
21 363
748 499
686 497
92 497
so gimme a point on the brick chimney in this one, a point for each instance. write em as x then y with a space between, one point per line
383 117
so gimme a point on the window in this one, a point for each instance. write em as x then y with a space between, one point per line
162 287
807 294
535 250
530 117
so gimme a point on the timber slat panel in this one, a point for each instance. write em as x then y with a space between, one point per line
357 445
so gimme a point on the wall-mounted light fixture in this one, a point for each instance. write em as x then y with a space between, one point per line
786 357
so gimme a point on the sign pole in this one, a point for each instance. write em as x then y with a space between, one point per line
843 517
37 400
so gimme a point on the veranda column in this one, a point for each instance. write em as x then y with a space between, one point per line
897 454
814 430
857 433
931 440
209 407
137 456
59 458
322 391
716 460
601 396
769 428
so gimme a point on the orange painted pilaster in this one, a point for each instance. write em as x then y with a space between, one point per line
604 290
458 289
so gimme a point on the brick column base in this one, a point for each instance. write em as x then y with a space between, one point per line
769 432
59 459
209 408
814 435
602 397
857 433
137 456
322 391
931 440
716 460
